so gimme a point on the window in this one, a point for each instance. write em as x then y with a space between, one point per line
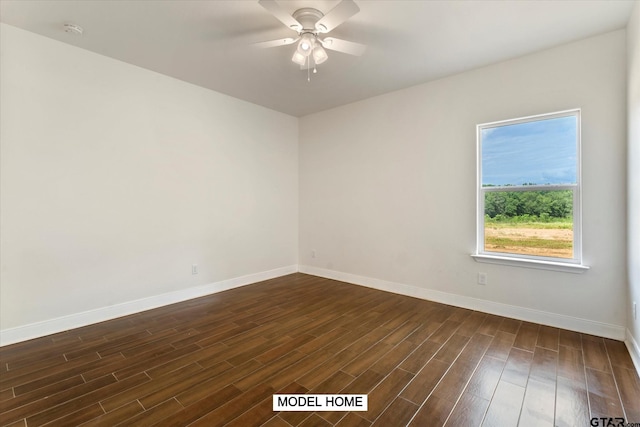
529 191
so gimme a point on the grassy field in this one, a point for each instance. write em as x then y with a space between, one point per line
549 239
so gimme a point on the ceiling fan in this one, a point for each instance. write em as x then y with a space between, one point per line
311 25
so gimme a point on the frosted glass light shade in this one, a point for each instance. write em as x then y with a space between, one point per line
307 41
299 58
319 55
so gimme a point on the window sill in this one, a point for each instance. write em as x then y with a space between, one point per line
530 263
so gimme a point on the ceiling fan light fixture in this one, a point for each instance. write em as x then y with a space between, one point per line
310 23
319 55
307 41
299 58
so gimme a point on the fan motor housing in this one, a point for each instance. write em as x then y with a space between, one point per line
308 17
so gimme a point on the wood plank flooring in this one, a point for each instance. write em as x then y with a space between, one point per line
218 360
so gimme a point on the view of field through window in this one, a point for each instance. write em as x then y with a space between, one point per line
538 223
529 179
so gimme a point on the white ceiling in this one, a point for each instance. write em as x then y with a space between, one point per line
208 43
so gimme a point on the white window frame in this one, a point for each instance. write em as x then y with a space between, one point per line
574 264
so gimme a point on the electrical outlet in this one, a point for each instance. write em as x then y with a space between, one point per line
194 269
482 278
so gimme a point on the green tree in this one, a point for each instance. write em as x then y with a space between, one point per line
529 204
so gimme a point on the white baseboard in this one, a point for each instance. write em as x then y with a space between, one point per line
76 320
60 324
634 350
522 313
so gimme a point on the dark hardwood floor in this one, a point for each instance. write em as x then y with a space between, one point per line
218 360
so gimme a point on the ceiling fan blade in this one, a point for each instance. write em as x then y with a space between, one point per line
280 14
336 16
343 46
276 43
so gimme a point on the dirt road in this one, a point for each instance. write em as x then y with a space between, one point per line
519 235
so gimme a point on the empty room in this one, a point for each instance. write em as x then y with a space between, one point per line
319 213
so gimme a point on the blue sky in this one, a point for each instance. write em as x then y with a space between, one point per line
539 152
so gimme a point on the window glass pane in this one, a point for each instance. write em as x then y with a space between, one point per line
538 152
538 223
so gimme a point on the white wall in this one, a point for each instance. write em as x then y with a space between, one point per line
115 179
633 106
387 186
